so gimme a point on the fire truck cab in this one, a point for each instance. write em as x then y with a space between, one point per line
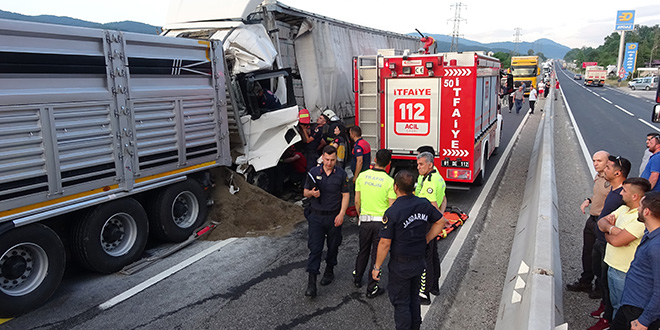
448 101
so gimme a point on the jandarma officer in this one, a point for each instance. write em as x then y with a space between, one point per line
327 189
405 234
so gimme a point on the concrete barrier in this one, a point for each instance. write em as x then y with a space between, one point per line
532 294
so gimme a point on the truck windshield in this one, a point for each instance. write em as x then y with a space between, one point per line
524 71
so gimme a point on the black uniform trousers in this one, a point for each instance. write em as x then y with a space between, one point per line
599 265
627 314
403 290
431 275
588 239
322 227
368 240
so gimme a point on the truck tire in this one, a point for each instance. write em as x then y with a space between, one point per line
32 260
481 178
262 179
177 210
110 236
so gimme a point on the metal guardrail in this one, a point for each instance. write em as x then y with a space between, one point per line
532 294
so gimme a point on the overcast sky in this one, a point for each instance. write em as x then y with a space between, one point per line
573 23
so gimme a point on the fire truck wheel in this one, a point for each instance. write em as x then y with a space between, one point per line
110 236
32 260
481 178
177 210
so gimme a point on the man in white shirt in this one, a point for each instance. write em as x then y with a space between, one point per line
532 99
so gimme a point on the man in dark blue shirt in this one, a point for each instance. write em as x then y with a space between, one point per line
327 189
640 303
616 171
405 234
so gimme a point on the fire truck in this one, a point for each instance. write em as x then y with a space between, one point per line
448 101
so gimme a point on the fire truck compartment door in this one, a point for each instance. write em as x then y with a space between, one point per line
413 114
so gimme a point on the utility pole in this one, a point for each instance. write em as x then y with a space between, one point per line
455 35
516 40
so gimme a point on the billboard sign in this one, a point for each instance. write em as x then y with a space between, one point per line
630 59
586 64
625 20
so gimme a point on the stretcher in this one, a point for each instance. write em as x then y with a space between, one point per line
455 218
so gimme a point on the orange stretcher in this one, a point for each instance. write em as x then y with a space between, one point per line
455 218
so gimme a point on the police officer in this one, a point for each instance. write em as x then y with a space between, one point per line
405 232
430 185
327 189
374 193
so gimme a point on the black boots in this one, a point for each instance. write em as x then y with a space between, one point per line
311 286
328 275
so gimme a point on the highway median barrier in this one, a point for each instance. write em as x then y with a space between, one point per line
532 294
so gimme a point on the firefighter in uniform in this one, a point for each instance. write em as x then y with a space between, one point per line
374 193
406 235
430 185
327 189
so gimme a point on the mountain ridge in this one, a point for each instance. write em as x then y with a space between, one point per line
549 48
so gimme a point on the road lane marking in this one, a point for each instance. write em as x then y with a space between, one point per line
450 257
606 100
648 124
624 110
583 146
163 275
4 320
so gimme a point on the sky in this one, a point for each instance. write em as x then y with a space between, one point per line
573 23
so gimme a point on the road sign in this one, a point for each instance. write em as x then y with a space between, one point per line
622 73
586 64
630 59
625 20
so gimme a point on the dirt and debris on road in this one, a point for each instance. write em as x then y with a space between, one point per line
249 212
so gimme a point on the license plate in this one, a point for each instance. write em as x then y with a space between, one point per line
455 163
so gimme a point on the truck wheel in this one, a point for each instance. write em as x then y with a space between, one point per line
481 178
110 236
262 179
32 263
177 210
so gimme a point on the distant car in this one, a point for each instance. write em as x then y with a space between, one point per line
577 76
647 83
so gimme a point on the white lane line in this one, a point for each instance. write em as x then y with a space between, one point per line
606 100
583 146
624 110
163 275
648 124
596 94
450 258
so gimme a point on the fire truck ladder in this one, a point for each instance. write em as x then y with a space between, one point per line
368 100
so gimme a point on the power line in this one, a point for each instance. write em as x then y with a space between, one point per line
455 35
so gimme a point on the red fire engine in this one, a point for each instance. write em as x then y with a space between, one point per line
448 101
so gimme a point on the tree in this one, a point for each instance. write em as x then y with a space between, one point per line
530 52
505 59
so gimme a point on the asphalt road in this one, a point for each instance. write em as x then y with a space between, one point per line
249 283
612 119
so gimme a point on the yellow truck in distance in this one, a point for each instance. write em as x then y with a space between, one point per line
525 70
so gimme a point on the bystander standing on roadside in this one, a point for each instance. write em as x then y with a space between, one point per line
652 169
532 99
595 203
556 88
616 171
541 89
647 152
623 233
640 303
519 98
